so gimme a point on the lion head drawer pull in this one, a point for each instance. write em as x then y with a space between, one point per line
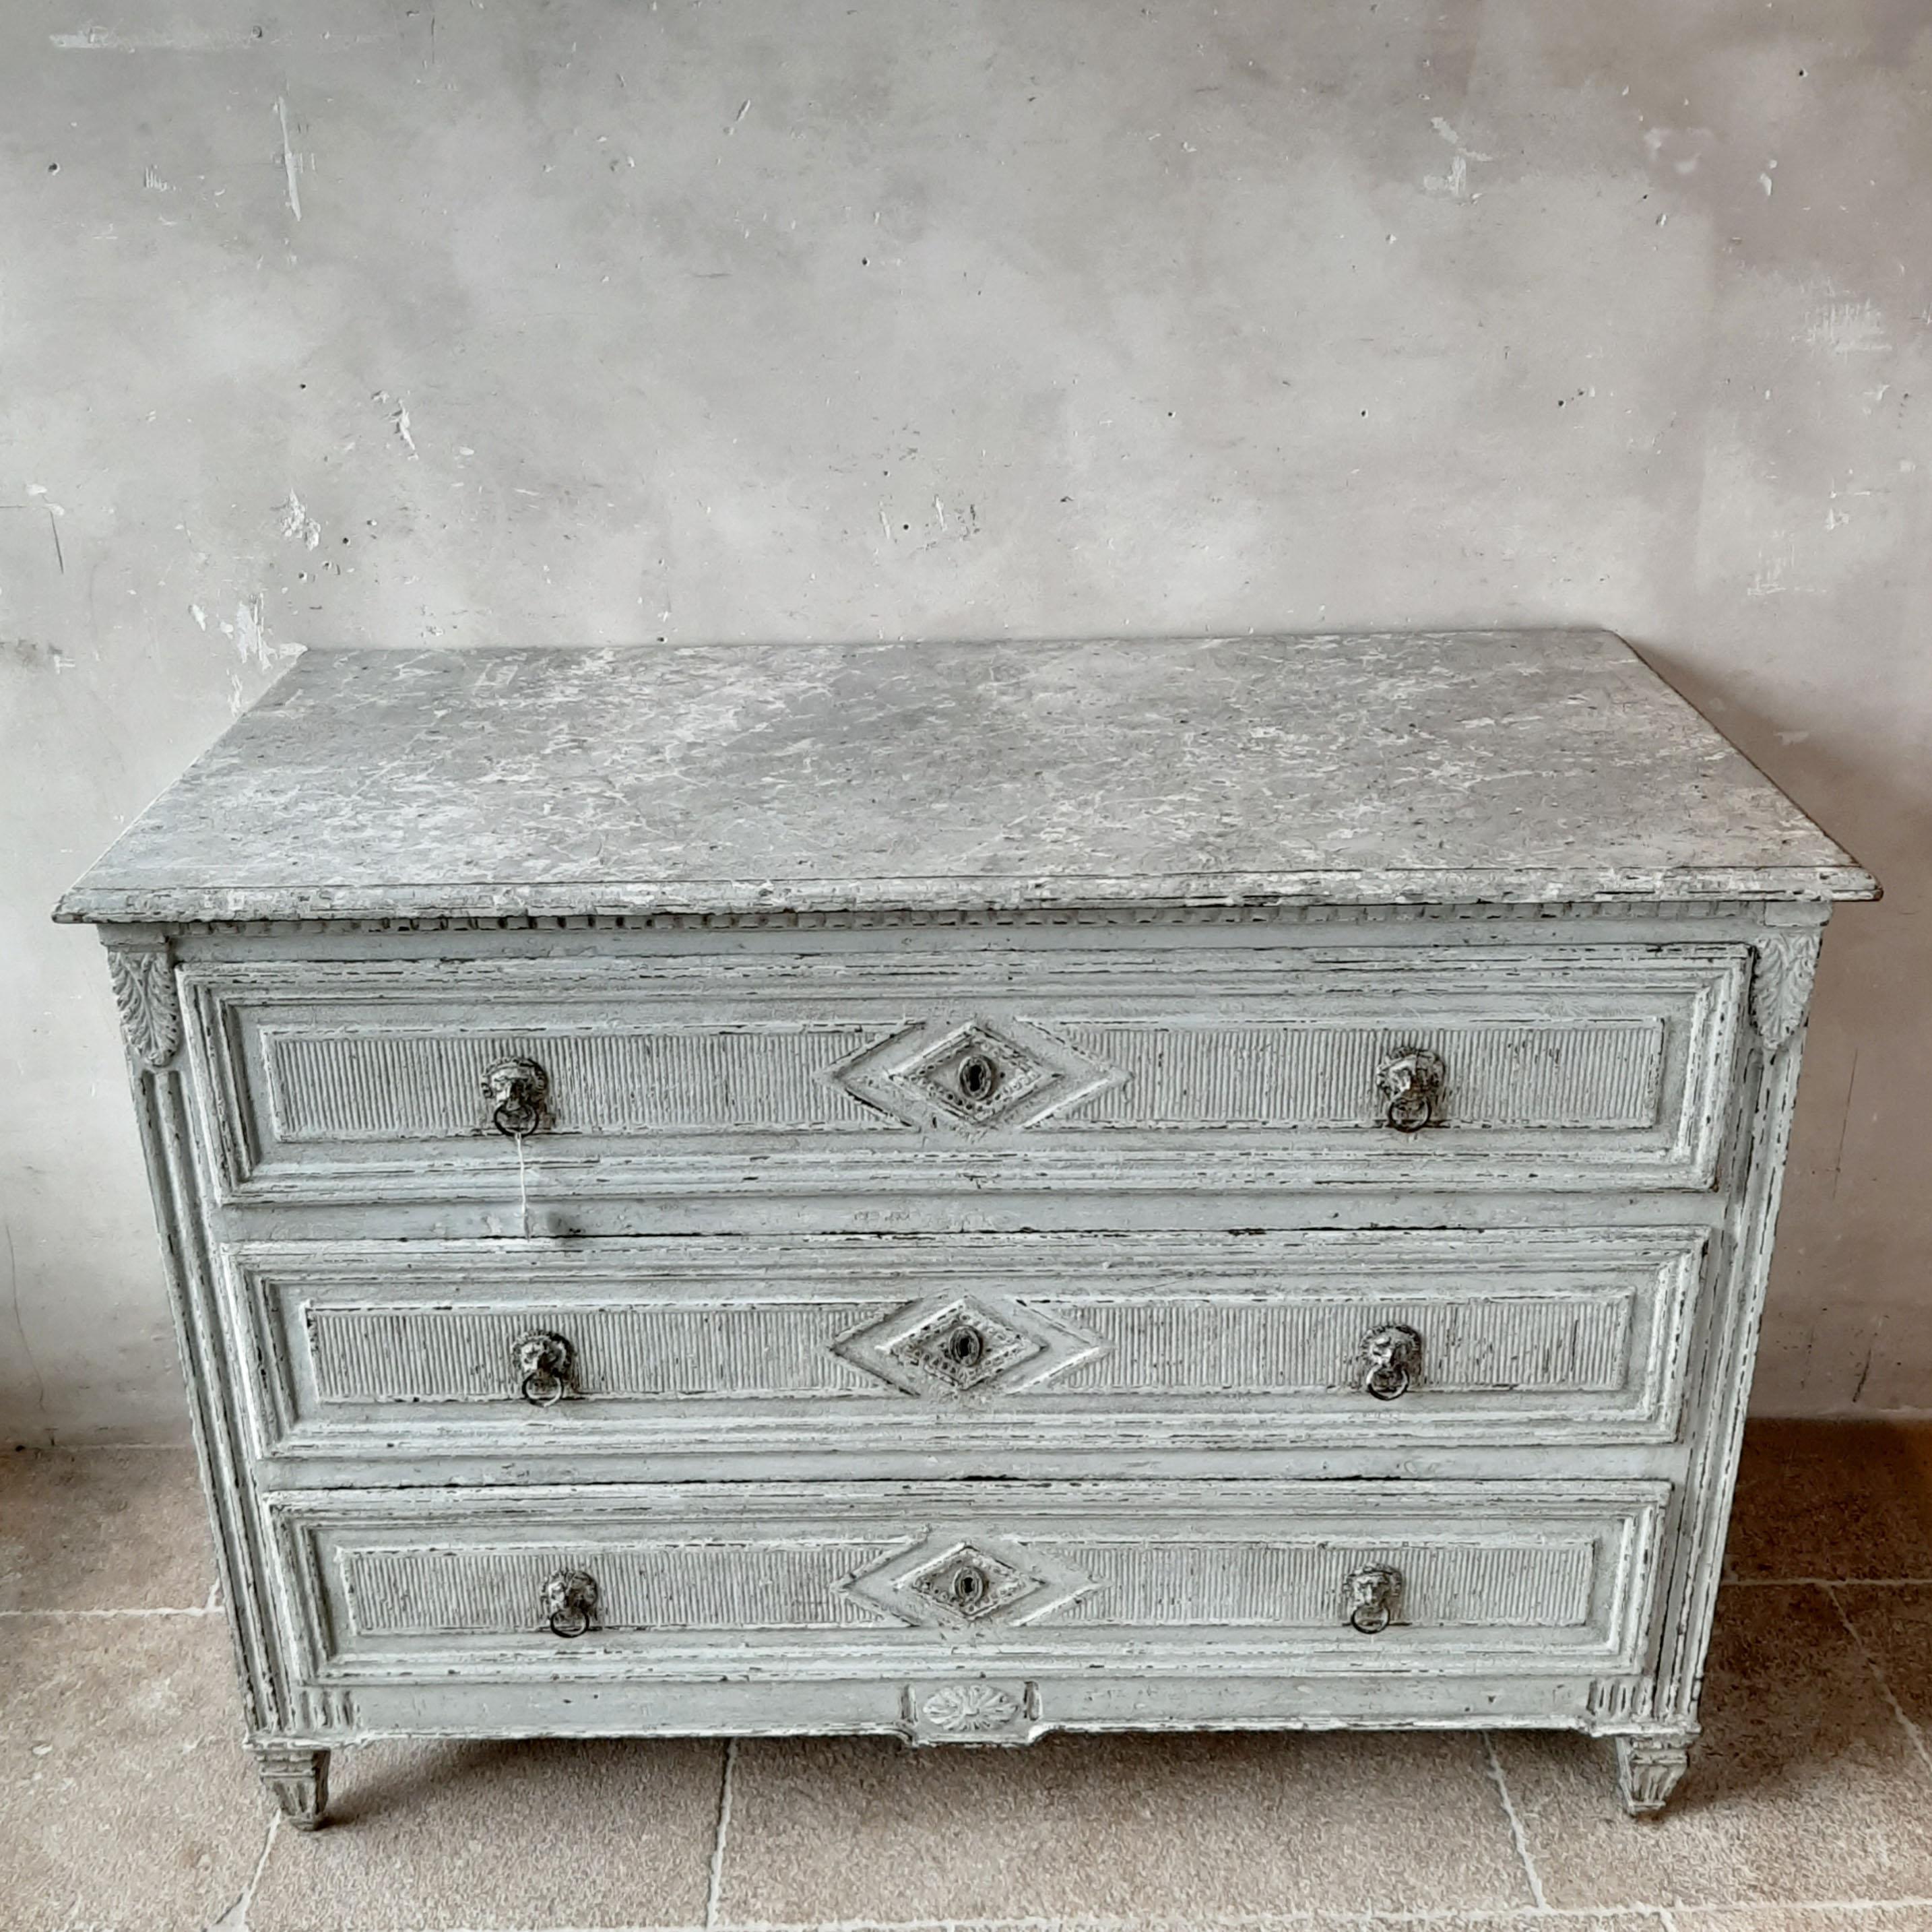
570 1602
549 1364
1413 1087
1391 1361
518 1092
1372 1594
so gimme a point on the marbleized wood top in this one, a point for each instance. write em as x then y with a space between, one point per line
1495 767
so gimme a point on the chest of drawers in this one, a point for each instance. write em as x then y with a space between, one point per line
968 1191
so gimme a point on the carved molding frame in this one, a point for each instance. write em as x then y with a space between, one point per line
1153 912
143 977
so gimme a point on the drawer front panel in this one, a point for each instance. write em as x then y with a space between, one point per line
1564 1065
1595 1076
830 1343
1368 1576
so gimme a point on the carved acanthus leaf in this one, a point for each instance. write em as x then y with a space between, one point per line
1781 986
144 990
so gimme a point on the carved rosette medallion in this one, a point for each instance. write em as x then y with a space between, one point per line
980 1712
970 1707
144 990
1781 985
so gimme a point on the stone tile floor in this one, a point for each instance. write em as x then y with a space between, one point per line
126 1805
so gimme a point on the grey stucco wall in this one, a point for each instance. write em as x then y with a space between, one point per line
472 322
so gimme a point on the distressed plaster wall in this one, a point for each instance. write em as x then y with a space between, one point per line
700 320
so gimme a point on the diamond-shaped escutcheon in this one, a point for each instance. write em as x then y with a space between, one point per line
964 1344
964 1580
974 1073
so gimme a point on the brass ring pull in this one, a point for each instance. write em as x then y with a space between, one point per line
1391 1361
518 1091
570 1602
1372 1594
549 1366
1414 1086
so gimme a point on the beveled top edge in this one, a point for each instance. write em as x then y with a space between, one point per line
882 897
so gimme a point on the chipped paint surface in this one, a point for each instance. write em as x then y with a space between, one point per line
290 166
297 525
1054 323
1847 328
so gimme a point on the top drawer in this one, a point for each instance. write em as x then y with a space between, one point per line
1206 1067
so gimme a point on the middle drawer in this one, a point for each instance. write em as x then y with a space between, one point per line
873 1343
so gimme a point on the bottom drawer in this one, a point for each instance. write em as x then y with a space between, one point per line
777 1581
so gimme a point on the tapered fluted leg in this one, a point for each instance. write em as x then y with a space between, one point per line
1648 1769
297 1778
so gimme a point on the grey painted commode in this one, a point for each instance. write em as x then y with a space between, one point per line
968 1191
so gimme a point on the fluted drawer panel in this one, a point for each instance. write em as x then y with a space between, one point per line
365 1355
1528 1585
1604 1075
1218 1068
1136 1341
643 1586
748 1575
1524 1344
380 1085
1208 1344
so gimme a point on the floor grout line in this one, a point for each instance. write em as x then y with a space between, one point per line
1431 1918
261 1865
721 1837
1517 1832
1827 1582
26 1449
235 1919
1877 1670
152 1610
1446 1917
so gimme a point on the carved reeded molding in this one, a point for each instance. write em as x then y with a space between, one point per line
1614 1699
144 990
323 1708
1152 914
1781 985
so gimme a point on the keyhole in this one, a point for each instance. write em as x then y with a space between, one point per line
977 1077
969 1588
965 1346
